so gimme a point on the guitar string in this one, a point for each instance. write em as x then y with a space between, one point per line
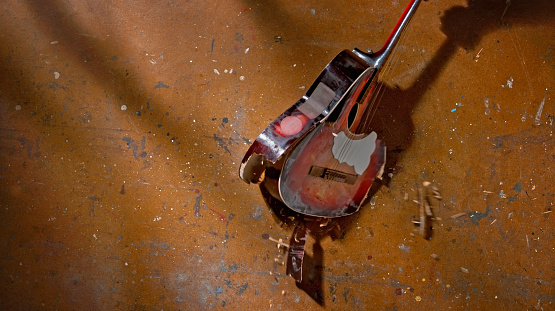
375 92
372 95
395 59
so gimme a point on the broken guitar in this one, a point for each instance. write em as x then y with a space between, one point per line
320 157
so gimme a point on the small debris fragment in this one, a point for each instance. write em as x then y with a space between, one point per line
434 256
457 215
418 298
216 71
478 55
279 242
464 270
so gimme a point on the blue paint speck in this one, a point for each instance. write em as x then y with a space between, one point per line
454 109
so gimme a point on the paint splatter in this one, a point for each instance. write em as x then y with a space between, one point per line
196 207
257 213
404 248
510 82
161 85
221 143
475 217
131 144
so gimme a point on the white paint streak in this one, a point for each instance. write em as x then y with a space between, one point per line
539 113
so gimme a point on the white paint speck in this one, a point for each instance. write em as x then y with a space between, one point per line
242 78
216 71
17 107
123 107
510 82
312 11
246 50
56 75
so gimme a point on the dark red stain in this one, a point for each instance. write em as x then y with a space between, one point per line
398 291
222 217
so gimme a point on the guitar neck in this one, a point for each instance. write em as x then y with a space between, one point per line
377 59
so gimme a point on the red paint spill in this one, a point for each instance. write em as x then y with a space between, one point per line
369 257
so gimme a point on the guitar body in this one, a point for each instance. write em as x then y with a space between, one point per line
330 172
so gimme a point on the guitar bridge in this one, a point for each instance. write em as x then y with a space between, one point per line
331 174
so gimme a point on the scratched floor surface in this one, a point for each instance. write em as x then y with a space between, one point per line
123 124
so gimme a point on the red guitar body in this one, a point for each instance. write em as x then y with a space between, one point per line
330 172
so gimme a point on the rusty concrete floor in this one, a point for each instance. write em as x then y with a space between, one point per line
123 124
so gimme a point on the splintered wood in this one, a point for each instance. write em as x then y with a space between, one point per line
425 195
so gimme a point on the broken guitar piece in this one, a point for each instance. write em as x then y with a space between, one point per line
426 194
320 157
